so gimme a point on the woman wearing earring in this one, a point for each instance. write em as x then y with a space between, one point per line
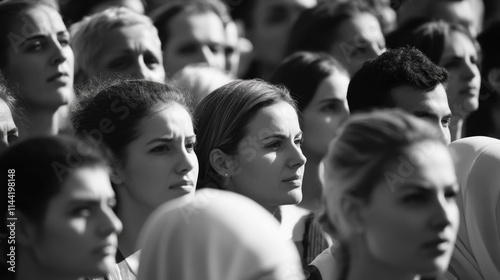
149 130
250 143
37 62
390 188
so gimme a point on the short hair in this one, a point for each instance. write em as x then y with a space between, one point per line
75 10
162 16
430 37
87 34
316 28
40 166
371 86
366 146
222 119
10 11
123 105
302 73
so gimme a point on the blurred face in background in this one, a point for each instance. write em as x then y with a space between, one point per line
359 39
271 23
194 38
325 113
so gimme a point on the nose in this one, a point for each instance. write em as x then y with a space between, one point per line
471 70
110 223
213 57
444 213
187 162
59 54
297 158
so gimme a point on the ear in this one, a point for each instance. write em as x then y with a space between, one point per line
222 163
354 211
26 230
116 175
494 78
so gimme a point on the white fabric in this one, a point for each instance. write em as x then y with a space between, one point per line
219 236
477 251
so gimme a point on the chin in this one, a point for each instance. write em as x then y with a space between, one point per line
294 196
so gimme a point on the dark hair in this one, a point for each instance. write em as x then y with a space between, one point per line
243 10
39 166
430 37
302 72
10 13
112 116
222 119
316 28
163 15
75 10
371 86
490 45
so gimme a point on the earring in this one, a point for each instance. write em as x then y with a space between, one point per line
226 175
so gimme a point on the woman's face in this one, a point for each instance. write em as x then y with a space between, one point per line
412 218
325 113
79 233
269 163
271 24
161 164
358 39
460 58
40 59
8 129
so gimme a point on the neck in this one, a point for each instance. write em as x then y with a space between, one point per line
133 214
363 266
311 185
30 268
456 128
39 122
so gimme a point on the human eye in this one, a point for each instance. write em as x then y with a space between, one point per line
216 48
12 138
187 49
120 63
190 146
330 107
160 149
151 61
64 40
298 142
82 211
35 45
112 203
451 63
445 122
275 145
415 199
450 194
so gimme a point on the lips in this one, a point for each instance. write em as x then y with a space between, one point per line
440 244
186 185
292 178
108 248
59 76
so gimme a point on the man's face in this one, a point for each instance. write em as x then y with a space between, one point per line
430 105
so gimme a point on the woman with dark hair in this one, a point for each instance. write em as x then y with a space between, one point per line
454 48
318 83
250 143
63 222
149 130
37 62
390 189
347 30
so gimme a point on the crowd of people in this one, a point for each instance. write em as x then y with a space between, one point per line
250 139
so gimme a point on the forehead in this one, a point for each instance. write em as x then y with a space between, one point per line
427 164
362 27
37 20
5 113
129 37
263 5
201 26
459 44
169 120
333 86
417 100
277 118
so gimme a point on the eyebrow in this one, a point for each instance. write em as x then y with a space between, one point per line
429 115
280 136
169 139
